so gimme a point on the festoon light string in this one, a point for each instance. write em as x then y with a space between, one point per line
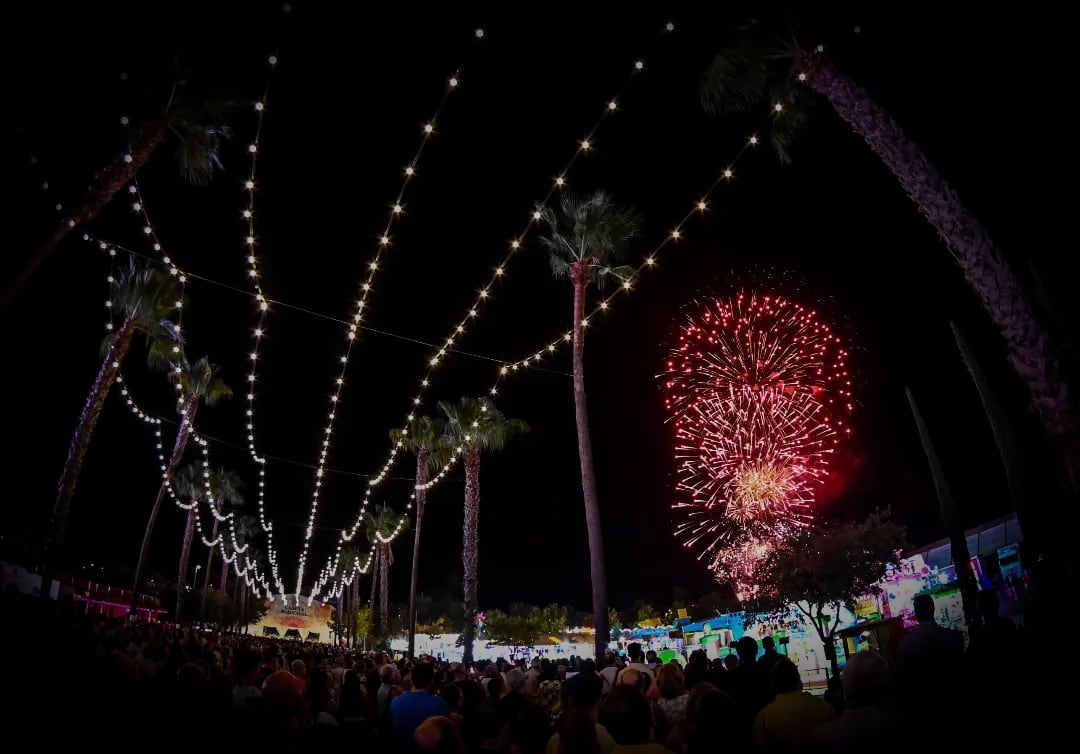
397 209
472 313
649 261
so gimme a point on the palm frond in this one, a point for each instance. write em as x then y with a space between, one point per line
587 227
605 276
198 153
560 268
737 79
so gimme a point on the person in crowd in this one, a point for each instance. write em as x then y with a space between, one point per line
929 657
389 688
652 660
246 692
748 684
529 731
578 730
637 662
870 718
697 669
788 723
410 709
671 702
769 655
627 717
437 735
711 717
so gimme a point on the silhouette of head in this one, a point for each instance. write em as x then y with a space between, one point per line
785 677
625 713
423 674
988 603
633 651
438 736
767 643
924 607
747 649
865 678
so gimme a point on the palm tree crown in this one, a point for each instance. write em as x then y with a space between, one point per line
380 526
592 230
226 487
201 379
423 434
188 482
145 297
476 421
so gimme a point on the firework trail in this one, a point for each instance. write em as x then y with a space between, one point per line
758 390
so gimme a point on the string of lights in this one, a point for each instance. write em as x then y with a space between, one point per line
649 262
397 209
261 311
483 294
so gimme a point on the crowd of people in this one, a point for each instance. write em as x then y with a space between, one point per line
100 679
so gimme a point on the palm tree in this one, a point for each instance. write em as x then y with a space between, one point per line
350 593
244 528
757 69
423 437
199 130
476 425
380 528
143 297
950 517
188 484
225 488
201 384
586 240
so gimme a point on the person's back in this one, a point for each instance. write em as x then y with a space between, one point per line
870 720
410 709
788 723
626 715
929 658
748 685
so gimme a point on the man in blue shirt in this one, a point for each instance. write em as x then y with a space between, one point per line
414 707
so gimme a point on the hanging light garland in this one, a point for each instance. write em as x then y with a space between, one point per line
397 209
483 294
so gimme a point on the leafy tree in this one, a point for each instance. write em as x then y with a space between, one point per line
763 67
200 383
477 426
522 626
586 240
825 567
143 298
380 528
645 613
188 486
225 489
424 437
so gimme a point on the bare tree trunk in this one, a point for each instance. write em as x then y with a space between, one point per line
185 555
80 442
580 276
209 560
987 272
470 544
421 498
179 447
106 184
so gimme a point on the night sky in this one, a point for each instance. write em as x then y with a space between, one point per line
346 108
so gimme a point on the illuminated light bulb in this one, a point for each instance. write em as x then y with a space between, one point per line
584 321
613 105
264 306
585 145
272 60
428 128
260 106
702 205
246 213
339 381
424 382
384 239
258 332
453 82
560 181
626 284
603 306
638 65
373 265
676 234
479 33
147 230
484 293
650 261
397 209
472 312
567 336
410 170
366 286
536 215
728 173
802 77
135 207
499 271
249 185
344 359
416 401
670 26
778 107
351 335
252 148
127 158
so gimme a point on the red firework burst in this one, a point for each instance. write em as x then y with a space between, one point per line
758 388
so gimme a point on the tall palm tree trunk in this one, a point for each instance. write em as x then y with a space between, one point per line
80 441
384 589
354 607
106 184
470 542
221 589
373 606
580 276
421 498
185 556
950 517
988 274
209 561
182 436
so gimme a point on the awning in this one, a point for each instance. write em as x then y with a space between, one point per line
312 636
292 633
270 631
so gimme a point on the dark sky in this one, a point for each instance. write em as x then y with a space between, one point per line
346 107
